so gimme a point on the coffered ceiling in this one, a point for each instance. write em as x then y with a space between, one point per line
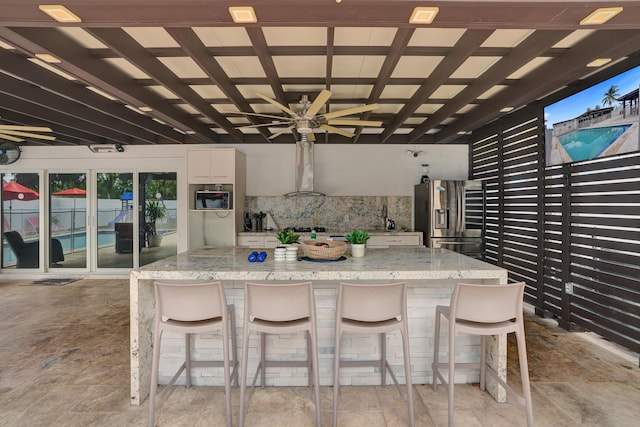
167 72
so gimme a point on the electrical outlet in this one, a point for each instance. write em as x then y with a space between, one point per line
568 288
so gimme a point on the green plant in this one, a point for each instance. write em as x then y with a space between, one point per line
357 237
154 210
287 237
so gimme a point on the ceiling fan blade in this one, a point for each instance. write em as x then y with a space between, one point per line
25 128
338 131
269 116
351 111
338 122
10 138
263 125
320 100
28 134
285 130
277 104
311 137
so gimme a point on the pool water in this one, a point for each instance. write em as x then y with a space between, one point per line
585 144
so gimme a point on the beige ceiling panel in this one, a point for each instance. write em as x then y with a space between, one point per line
249 91
492 92
447 91
416 66
467 108
82 37
249 130
356 66
208 91
436 37
403 131
389 108
372 131
188 108
350 91
507 38
266 108
448 120
573 38
225 108
224 36
351 36
474 67
300 66
151 37
127 67
433 131
241 66
295 36
398 91
206 120
414 120
7 46
239 120
219 131
183 67
303 88
163 92
528 67
428 108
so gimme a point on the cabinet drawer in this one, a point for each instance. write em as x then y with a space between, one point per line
251 241
390 241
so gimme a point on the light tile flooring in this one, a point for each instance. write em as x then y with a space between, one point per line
64 361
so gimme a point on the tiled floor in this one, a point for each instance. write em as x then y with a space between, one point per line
64 361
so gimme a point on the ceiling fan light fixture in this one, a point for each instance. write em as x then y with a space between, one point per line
423 15
59 13
304 127
243 14
601 15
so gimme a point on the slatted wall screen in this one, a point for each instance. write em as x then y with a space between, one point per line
571 232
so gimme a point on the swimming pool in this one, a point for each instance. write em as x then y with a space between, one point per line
585 144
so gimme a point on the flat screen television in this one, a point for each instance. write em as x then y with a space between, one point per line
599 121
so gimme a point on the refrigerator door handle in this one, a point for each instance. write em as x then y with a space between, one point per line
460 205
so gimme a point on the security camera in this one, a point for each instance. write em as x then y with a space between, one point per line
413 153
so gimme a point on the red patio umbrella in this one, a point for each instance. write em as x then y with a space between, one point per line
15 191
75 191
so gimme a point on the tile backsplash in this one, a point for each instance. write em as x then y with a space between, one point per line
334 212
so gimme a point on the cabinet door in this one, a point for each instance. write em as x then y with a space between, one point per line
222 166
199 166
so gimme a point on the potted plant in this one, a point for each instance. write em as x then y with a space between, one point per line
358 239
154 210
287 237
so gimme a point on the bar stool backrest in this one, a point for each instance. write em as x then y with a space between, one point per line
279 302
190 302
371 303
487 303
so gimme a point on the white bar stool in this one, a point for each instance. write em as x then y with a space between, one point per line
483 310
279 309
193 307
372 309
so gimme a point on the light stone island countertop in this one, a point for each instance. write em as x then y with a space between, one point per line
376 232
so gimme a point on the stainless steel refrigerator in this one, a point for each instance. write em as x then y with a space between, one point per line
451 215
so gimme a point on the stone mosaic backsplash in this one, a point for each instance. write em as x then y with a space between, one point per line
334 212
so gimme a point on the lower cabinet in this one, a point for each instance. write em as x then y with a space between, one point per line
257 242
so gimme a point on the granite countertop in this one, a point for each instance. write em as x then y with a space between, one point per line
375 232
230 263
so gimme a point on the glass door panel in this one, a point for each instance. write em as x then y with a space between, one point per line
158 216
20 220
68 220
115 227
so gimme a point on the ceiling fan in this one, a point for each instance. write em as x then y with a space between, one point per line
307 120
18 133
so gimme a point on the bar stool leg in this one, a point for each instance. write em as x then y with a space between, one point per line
383 358
524 374
407 375
436 351
154 378
336 376
243 375
452 374
316 373
187 359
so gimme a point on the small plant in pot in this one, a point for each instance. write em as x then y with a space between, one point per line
154 210
358 239
287 237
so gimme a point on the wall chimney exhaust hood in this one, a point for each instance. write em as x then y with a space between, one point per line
304 169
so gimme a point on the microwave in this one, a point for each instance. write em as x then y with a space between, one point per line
213 199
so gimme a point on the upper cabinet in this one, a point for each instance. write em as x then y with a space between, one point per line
217 166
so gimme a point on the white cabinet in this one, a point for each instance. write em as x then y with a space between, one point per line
386 241
211 166
258 241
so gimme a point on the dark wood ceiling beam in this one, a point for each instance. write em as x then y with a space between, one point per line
79 98
552 75
77 62
261 50
197 51
532 47
466 45
122 43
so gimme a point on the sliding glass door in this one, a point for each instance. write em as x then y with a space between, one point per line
20 220
68 220
115 228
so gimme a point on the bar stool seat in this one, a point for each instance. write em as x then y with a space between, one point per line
483 310
279 309
193 307
372 309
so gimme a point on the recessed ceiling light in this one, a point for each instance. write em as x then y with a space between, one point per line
101 93
243 14
423 15
59 13
506 109
599 62
48 58
600 16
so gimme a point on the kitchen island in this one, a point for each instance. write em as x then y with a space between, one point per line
430 275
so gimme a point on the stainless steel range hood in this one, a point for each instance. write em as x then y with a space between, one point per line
304 169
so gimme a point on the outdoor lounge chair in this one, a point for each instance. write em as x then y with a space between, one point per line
27 253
